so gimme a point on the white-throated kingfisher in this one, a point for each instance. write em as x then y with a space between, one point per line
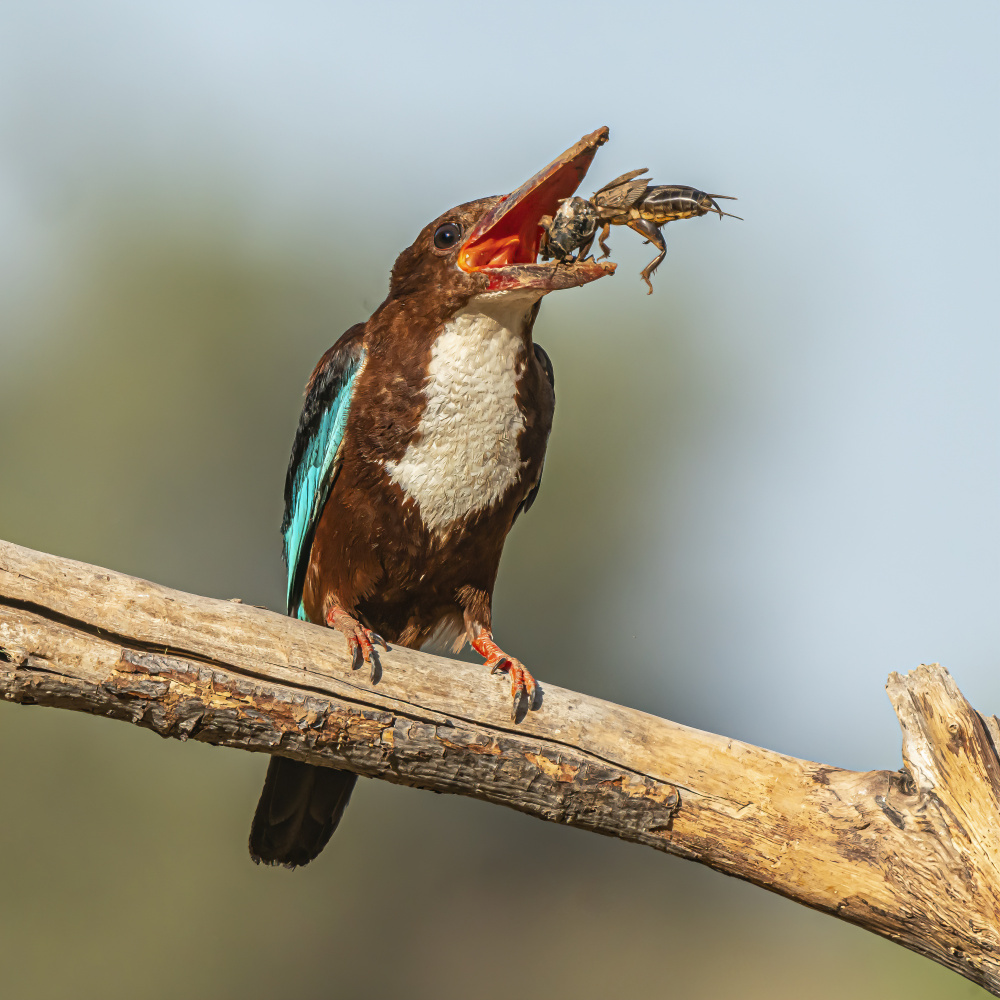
421 440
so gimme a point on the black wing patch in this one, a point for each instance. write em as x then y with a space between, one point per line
543 360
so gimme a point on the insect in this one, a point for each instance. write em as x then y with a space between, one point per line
630 201
572 228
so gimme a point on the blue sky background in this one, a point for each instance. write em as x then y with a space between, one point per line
779 473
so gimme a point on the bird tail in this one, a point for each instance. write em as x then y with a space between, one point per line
299 808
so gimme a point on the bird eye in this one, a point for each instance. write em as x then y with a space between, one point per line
447 236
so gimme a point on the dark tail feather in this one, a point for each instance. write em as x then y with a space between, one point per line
300 807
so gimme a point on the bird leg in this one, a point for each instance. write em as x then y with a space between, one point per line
360 640
522 684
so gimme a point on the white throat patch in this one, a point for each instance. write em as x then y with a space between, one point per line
465 456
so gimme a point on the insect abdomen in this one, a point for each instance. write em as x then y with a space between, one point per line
668 202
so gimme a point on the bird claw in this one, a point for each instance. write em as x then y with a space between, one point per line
522 688
361 641
516 705
522 684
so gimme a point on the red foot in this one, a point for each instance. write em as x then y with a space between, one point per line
522 684
360 640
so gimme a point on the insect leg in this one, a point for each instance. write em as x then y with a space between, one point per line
654 236
543 244
605 233
585 248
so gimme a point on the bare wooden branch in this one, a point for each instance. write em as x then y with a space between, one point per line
911 855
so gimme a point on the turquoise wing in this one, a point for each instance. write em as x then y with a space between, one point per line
316 455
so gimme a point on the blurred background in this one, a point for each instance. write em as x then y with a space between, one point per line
780 471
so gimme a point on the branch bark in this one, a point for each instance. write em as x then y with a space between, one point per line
912 855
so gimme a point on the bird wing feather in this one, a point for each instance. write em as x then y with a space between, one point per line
545 362
316 455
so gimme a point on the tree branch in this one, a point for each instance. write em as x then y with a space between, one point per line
911 855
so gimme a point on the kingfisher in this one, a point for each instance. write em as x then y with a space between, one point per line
421 441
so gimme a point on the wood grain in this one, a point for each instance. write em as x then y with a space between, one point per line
912 855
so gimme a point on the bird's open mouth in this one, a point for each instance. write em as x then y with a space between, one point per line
504 244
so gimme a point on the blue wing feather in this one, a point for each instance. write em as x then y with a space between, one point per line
316 456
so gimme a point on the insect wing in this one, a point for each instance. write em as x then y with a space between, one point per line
622 180
623 192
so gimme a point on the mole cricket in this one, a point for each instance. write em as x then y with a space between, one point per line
628 200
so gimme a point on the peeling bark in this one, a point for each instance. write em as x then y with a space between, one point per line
911 855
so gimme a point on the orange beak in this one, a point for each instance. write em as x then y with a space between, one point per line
504 243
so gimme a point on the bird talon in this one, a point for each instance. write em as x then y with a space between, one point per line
515 705
522 684
361 641
529 694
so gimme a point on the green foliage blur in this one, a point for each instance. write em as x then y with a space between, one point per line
149 396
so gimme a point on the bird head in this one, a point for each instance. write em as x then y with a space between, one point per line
491 245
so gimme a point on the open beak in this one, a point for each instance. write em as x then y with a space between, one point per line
504 243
